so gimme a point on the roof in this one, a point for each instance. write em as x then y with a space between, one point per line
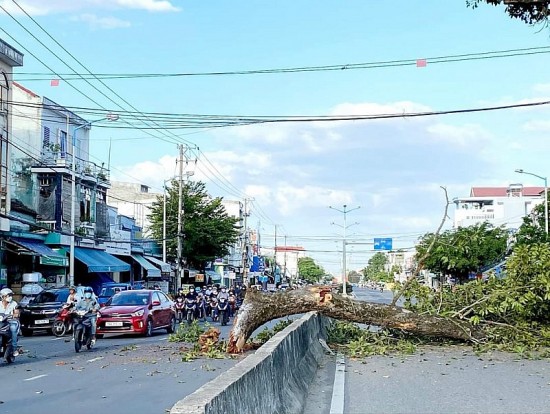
503 191
289 248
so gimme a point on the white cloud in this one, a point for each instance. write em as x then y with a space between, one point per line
462 135
149 5
542 88
537 126
43 7
96 22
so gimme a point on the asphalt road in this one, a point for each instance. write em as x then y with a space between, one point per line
434 380
121 374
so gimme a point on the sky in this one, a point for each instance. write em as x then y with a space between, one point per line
388 173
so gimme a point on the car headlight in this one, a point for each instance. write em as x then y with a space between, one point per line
138 313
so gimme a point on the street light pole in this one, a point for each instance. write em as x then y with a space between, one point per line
345 226
545 179
110 117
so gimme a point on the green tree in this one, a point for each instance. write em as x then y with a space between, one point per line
309 270
464 250
533 228
529 12
376 269
208 230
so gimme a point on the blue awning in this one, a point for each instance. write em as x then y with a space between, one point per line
152 271
47 255
99 261
164 267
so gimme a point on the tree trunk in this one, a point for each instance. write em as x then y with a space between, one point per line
259 308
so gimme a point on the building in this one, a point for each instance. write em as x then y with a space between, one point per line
133 200
497 205
287 258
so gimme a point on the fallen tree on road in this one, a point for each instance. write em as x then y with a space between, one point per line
259 308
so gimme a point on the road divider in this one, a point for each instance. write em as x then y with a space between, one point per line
275 379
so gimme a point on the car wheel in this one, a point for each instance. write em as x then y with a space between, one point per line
26 332
172 327
149 328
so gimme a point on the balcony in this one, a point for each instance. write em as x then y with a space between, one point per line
61 163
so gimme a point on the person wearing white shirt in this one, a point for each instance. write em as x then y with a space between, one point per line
10 308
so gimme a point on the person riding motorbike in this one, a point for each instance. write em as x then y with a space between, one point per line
9 307
192 295
89 304
72 299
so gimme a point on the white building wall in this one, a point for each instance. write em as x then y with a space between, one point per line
133 200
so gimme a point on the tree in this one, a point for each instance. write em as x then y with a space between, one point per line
464 250
376 269
208 230
528 11
309 270
533 228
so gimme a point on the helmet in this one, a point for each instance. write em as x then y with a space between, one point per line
191 288
88 290
72 288
6 292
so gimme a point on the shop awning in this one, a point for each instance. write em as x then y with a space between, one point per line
99 261
164 267
47 255
152 271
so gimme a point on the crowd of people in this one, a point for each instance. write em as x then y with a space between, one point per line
206 299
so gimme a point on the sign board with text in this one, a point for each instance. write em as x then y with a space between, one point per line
383 243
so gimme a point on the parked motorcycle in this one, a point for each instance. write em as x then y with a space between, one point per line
223 311
190 306
82 330
6 347
180 308
64 322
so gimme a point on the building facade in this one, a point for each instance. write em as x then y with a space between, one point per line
497 205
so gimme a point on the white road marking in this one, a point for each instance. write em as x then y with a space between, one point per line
95 359
338 388
33 378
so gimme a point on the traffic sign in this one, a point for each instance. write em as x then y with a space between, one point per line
382 244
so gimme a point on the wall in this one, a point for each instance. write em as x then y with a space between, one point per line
275 379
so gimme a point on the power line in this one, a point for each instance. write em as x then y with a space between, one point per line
497 54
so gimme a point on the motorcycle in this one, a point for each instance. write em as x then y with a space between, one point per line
180 307
223 311
190 306
82 330
64 322
6 347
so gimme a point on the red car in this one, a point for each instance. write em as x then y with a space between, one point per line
137 312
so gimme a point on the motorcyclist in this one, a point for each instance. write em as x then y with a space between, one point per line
9 307
72 299
223 294
89 304
191 295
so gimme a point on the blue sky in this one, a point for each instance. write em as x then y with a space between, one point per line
392 169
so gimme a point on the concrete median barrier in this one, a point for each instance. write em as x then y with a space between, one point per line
275 379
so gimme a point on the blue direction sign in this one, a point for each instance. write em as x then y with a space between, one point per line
382 244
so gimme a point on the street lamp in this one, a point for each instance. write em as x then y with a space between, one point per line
109 117
344 270
520 171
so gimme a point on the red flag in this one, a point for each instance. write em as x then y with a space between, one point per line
421 63
54 82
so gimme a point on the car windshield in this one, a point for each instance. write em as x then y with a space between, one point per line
110 291
130 298
47 296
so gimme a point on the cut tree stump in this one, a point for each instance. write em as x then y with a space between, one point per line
259 308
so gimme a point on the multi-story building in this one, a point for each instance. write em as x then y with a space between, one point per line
287 258
497 205
133 200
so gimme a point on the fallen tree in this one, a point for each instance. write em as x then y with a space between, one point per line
259 308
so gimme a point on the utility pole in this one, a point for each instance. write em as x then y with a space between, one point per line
180 222
275 256
245 245
344 243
